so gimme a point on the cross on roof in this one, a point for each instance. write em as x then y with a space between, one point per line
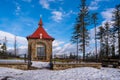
40 35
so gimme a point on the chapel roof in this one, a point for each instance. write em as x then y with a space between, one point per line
40 33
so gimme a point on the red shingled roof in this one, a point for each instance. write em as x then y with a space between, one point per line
40 30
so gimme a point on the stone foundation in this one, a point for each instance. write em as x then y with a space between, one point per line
22 66
61 66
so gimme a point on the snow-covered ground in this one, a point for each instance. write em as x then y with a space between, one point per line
84 73
11 61
39 64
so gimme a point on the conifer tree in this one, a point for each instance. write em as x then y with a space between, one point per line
100 36
81 29
106 38
75 37
116 19
94 19
112 40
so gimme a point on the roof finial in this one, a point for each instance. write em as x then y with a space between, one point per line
40 23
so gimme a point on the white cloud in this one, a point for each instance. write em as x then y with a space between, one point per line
107 14
70 12
18 8
56 43
94 4
93 7
44 4
60 47
21 41
57 16
65 49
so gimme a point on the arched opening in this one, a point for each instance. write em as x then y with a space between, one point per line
41 51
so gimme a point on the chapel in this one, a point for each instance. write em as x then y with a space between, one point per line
40 44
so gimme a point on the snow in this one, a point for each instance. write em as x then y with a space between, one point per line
83 73
36 64
40 64
11 61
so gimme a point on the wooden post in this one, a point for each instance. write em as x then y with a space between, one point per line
51 63
25 58
29 56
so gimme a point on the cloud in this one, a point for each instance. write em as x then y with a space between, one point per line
60 47
44 4
57 16
21 41
93 7
64 48
94 4
17 11
56 43
18 8
107 14
70 12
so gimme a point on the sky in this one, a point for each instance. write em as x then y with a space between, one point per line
20 18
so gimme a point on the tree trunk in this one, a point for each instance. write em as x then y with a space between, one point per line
77 50
95 42
119 43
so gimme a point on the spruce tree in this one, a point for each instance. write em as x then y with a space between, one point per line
81 30
112 41
106 38
94 20
75 37
100 36
116 19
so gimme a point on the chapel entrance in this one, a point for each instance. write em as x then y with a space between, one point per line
41 52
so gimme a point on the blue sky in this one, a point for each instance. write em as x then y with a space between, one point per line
21 17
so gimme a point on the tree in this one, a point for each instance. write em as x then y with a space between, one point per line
75 37
94 18
15 45
83 21
106 38
80 33
112 40
4 48
100 36
116 19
